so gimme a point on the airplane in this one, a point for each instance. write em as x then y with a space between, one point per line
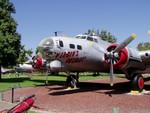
29 66
32 65
25 67
88 53
6 70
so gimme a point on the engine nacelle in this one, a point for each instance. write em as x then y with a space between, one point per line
121 57
135 60
38 63
56 65
145 56
125 58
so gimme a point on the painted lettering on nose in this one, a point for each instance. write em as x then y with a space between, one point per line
66 54
75 60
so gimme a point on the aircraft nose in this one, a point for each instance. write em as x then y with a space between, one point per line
46 48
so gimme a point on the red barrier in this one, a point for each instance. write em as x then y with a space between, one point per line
22 107
25 106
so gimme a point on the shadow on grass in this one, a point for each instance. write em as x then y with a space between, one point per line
50 82
35 79
14 80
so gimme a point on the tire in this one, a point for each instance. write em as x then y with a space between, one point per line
137 82
69 81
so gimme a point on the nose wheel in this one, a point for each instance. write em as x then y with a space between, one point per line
137 82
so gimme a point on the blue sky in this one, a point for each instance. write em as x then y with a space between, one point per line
38 19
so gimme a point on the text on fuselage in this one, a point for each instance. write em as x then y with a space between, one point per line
67 54
72 56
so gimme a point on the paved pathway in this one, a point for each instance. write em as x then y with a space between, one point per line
5 105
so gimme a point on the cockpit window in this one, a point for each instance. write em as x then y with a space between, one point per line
61 43
89 38
81 37
72 46
95 40
79 47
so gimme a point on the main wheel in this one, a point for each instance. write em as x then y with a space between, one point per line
137 82
72 81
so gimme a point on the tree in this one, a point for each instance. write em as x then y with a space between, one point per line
23 56
9 39
104 35
143 46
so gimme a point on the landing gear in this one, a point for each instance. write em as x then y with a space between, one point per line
95 74
137 82
72 80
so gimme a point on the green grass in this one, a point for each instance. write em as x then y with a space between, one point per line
31 111
36 80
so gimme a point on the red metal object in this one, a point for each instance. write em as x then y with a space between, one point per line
38 62
123 56
25 106
22 107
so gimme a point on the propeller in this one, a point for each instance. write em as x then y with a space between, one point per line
112 55
37 60
124 43
98 48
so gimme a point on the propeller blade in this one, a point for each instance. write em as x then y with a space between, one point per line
124 43
28 56
98 48
36 56
111 72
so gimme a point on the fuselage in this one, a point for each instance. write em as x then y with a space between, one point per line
75 54
78 54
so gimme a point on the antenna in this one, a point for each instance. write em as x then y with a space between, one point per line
55 33
58 33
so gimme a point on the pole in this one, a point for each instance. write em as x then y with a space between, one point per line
12 94
1 96
0 72
46 82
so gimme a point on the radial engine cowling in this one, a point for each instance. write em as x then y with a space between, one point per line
119 58
37 63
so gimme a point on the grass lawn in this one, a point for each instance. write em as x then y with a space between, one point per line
25 80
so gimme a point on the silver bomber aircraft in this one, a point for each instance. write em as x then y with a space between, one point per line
88 53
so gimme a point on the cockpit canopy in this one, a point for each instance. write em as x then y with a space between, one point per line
46 47
47 42
88 37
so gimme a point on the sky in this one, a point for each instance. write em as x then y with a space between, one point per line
38 19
